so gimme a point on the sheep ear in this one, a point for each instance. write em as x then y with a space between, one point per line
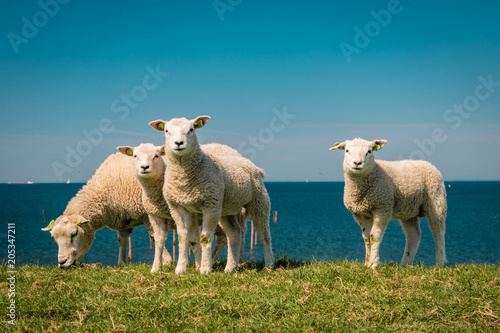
158 125
126 150
378 144
200 121
82 221
339 146
50 226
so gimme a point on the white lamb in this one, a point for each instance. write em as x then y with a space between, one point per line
150 168
111 198
214 187
378 191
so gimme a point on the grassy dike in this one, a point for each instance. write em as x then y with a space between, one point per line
297 296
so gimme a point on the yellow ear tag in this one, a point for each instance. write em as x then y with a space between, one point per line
336 144
376 147
80 222
51 224
199 123
161 126
129 152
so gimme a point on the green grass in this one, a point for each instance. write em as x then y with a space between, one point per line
297 296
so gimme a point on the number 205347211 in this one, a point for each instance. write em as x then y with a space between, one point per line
11 247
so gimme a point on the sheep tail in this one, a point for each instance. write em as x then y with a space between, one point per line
262 173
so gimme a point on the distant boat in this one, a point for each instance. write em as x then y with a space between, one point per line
67 182
28 182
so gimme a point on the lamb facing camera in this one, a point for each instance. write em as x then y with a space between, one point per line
150 169
213 186
377 191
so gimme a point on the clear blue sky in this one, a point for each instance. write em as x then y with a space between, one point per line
423 75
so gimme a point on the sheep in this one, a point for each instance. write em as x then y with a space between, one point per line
211 186
377 191
111 198
217 149
150 168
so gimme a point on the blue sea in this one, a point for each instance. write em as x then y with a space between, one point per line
312 224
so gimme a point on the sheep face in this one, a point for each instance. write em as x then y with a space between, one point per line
358 157
180 137
74 239
147 160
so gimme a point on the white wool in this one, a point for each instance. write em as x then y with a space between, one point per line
377 191
111 198
214 186
150 168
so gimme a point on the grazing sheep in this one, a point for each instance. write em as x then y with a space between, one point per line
111 198
214 187
377 191
150 169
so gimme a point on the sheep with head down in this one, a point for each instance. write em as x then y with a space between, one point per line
377 191
111 198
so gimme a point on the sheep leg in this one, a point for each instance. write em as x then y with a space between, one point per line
210 220
160 235
412 231
243 231
181 218
260 212
380 222
220 242
167 258
194 239
122 246
233 234
437 225
366 225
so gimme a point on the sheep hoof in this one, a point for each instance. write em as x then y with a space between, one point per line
229 269
205 270
179 271
155 269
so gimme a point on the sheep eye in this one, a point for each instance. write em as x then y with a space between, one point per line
369 151
166 131
135 156
191 130
74 233
156 156
347 150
